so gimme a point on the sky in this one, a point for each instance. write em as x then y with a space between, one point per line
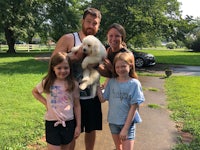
190 7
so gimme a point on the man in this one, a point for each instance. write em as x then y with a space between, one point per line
91 115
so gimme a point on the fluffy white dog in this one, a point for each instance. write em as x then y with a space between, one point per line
95 52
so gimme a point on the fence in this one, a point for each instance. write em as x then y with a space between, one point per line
29 47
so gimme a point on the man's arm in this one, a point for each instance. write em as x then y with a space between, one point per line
64 44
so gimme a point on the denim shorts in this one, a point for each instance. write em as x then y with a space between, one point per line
116 129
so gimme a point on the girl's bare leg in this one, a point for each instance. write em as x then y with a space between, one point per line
65 147
117 141
128 144
53 147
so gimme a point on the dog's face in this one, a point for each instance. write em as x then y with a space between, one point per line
90 45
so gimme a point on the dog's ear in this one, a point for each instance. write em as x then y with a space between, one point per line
96 47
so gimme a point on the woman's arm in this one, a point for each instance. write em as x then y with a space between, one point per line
106 68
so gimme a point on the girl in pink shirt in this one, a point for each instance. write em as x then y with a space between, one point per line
63 117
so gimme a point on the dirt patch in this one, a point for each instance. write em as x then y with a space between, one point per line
43 57
186 137
38 145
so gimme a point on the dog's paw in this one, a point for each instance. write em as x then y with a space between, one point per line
85 79
75 49
84 64
83 86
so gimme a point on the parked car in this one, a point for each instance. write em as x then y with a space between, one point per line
143 59
20 42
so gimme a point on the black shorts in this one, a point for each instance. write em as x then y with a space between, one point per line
91 115
59 135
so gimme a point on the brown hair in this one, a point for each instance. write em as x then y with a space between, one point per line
50 78
129 59
120 29
92 11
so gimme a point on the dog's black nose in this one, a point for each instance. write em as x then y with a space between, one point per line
84 50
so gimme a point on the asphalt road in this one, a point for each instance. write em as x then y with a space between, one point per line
177 69
186 70
157 131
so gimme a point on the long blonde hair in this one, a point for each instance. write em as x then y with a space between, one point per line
50 78
129 59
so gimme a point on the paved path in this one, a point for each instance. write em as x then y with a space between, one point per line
156 132
186 70
177 69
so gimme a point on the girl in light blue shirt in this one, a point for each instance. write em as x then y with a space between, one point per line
124 94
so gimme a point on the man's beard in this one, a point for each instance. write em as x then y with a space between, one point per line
88 31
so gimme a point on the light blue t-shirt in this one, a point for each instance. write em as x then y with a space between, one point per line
121 95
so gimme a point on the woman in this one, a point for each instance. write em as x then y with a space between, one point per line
116 36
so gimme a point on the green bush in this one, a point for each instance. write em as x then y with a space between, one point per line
193 42
195 45
171 45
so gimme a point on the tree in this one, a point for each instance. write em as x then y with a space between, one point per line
193 38
154 17
18 19
63 16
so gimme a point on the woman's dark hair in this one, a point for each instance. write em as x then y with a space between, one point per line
120 29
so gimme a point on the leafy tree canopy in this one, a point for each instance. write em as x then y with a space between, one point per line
159 18
23 19
144 20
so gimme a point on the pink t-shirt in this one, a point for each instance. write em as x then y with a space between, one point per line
59 102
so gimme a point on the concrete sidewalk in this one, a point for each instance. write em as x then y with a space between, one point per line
180 70
156 132
186 70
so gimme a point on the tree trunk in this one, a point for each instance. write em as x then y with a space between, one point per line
10 40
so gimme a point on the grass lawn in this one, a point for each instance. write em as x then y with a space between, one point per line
22 116
184 101
175 57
